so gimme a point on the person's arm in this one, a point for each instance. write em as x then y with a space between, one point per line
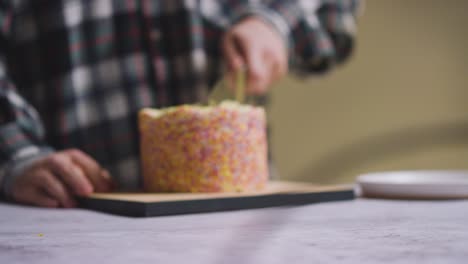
320 33
30 170
267 37
21 131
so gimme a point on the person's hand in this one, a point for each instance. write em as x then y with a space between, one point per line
54 180
254 45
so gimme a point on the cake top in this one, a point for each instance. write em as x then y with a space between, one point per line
201 109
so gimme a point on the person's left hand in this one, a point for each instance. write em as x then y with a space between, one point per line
254 45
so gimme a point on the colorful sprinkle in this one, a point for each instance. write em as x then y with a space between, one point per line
191 148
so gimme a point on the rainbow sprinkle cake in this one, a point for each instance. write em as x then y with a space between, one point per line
193 148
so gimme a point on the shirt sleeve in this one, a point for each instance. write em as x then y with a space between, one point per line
319 34
21 131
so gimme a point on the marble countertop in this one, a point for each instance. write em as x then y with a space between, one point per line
359 231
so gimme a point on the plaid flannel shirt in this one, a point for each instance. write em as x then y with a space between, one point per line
74 73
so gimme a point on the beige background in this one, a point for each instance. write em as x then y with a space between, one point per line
401 102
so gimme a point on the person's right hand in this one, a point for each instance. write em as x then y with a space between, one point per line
54 180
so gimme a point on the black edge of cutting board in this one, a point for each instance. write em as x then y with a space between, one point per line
147 209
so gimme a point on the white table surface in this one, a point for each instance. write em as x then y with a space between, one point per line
359 231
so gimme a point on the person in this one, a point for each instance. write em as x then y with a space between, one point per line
74 75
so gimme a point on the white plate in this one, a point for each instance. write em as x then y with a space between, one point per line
415 184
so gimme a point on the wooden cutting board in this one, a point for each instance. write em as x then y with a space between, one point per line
277 193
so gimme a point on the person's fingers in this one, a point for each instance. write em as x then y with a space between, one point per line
232 53
257 71
252 55
99 177
263 51
112 183
54 188
34 196
234 58
278 65
70 173
265 69
39 198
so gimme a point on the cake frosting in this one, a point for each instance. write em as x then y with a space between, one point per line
191 148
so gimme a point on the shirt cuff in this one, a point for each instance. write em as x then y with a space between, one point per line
24 157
